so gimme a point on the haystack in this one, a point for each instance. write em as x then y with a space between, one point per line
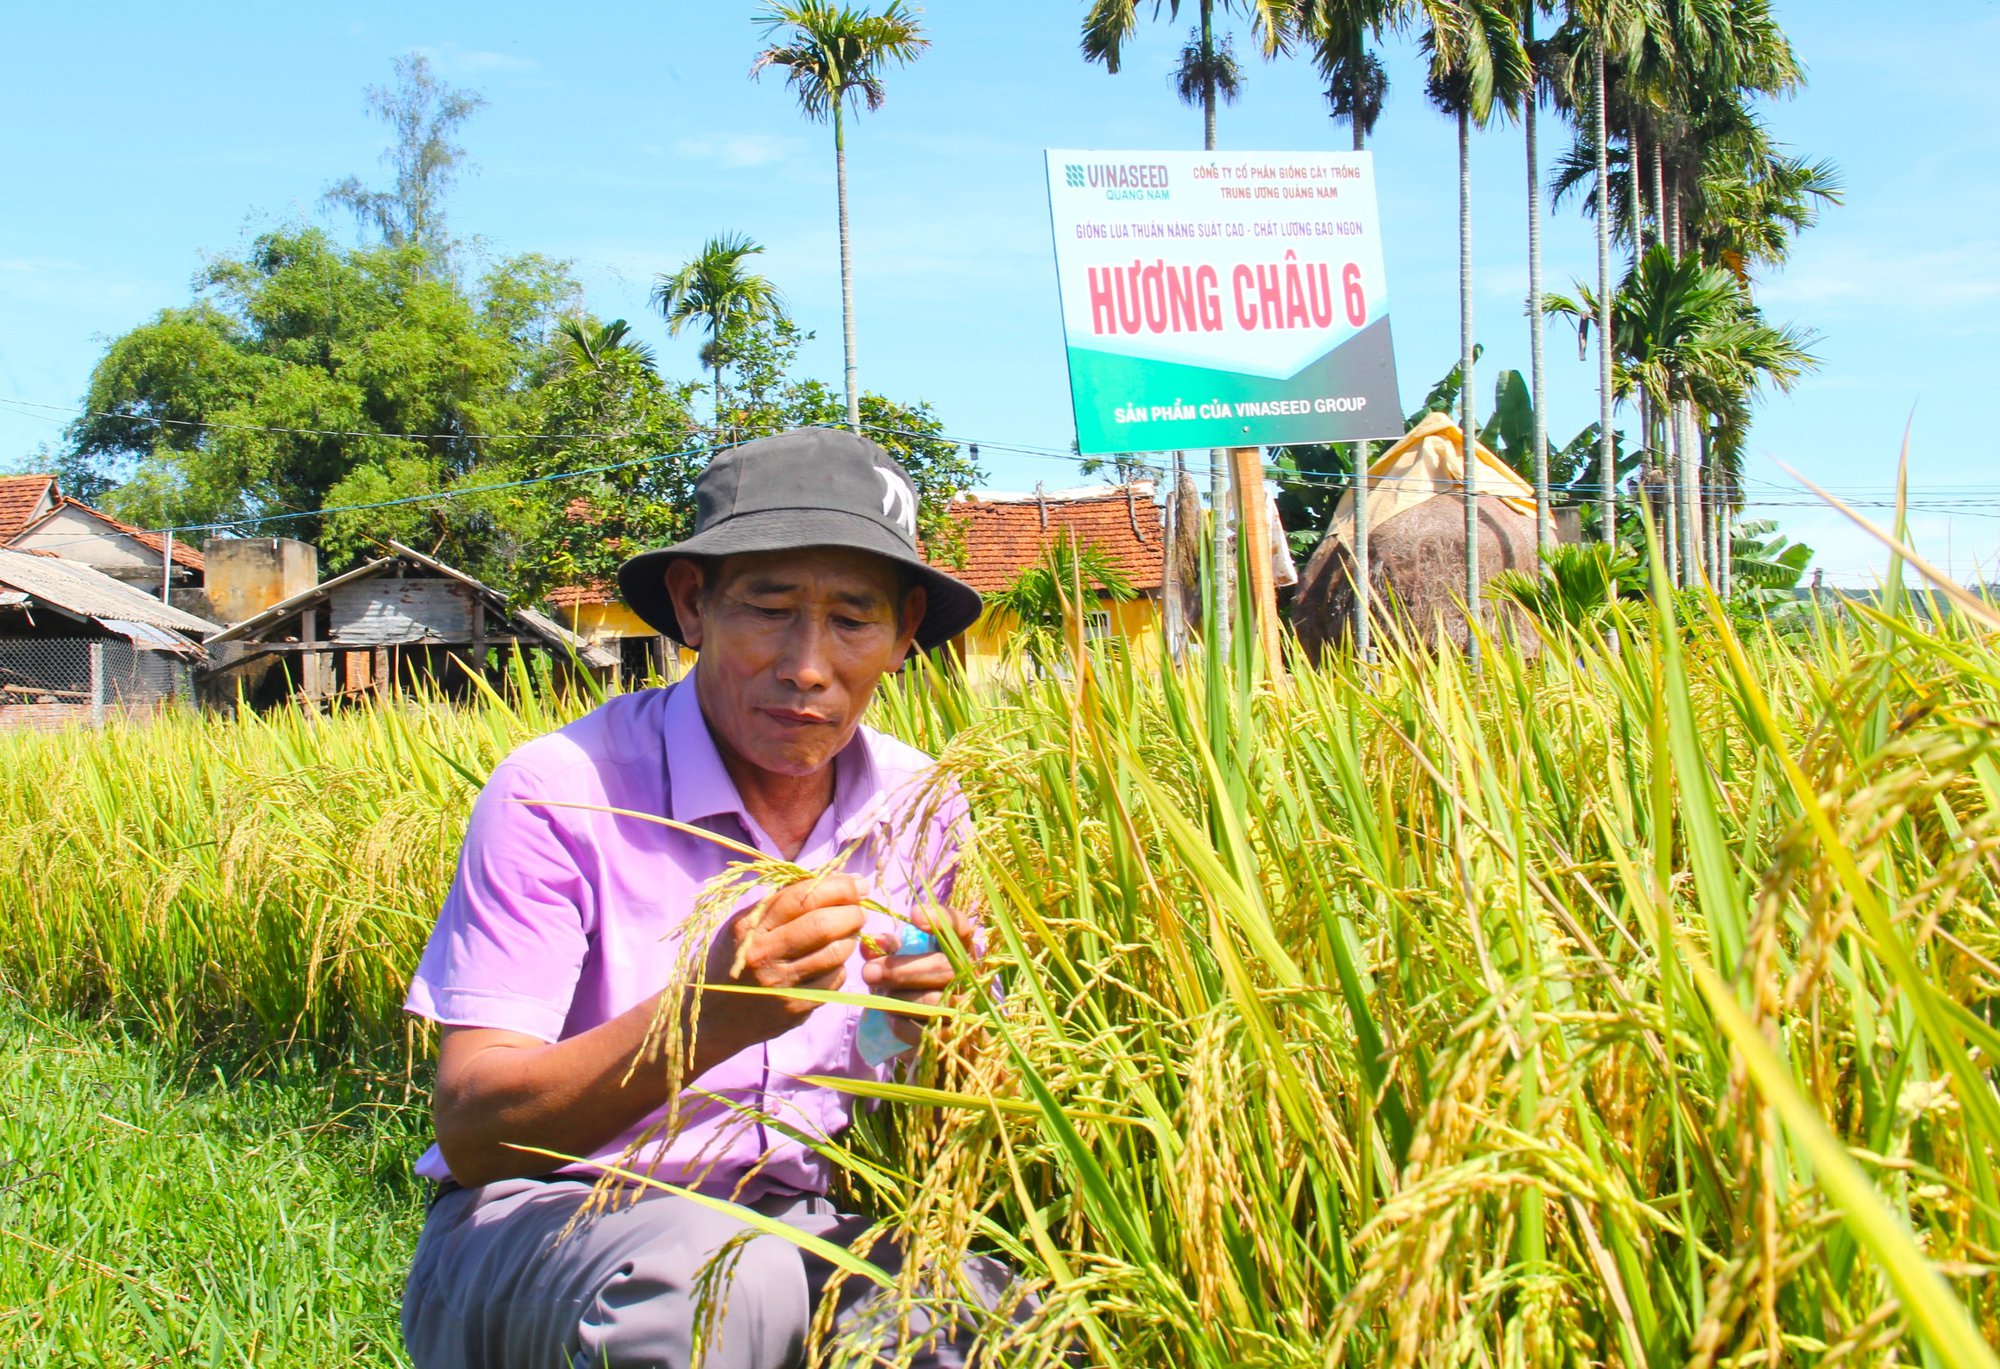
1416 544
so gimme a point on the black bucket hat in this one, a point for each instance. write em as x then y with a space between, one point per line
811 487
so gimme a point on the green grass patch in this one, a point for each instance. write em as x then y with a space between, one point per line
155 1210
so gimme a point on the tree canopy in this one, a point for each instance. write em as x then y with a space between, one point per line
346 394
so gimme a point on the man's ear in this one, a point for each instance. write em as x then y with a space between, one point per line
684 585
914 604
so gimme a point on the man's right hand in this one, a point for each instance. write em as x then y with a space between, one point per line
499 1088
802 941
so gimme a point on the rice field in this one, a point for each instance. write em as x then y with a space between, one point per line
1633 1005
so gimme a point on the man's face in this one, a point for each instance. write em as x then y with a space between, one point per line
792 645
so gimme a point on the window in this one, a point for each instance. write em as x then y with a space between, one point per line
1096 625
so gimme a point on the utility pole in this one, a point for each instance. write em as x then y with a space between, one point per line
1253 524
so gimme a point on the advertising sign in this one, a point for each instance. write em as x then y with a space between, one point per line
1222 299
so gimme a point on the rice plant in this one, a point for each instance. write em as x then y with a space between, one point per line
1627 1006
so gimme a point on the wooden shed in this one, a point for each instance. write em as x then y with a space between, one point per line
79 646
402 620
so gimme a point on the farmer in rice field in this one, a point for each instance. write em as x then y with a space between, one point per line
799 589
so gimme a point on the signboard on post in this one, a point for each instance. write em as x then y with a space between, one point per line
1216 299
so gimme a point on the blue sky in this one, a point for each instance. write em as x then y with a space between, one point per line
621 136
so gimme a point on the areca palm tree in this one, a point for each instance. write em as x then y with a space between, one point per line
1478 69
1594 34
1207 74
1687 336
832 56
587 346
718 293
1530 107
1356 87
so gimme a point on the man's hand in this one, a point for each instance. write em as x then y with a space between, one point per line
802 941
918 978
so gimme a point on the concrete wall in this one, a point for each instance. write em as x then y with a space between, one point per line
76 536
246 575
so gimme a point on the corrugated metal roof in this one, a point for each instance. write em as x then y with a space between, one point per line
89 593
146 635
600 658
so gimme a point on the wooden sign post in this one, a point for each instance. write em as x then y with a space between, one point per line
1253 527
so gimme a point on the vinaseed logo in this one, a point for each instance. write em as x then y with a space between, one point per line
1119 180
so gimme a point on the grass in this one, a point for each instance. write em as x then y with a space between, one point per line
153 1214
1631 1006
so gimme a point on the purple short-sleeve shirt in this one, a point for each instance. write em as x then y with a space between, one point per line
560 918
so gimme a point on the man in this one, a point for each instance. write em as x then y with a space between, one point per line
800 587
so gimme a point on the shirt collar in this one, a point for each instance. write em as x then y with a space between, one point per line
698 785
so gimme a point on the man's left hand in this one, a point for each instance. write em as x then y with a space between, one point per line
918 978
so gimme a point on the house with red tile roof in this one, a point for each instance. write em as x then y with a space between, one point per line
1001 535
35 515
23 499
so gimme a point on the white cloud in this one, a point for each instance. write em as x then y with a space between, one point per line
66 284
735 150
465 63
1940 281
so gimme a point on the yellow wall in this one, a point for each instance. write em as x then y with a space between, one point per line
1135 623
608 624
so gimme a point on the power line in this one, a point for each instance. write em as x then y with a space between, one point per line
199 423
1592 489
1294 480
231 524
1918 493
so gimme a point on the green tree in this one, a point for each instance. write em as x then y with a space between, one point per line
1687 334
770 398
832 56
1207 72
424 114
718 292
304 376
602 404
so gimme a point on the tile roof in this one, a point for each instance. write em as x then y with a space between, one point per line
1005 534
579 596
20 500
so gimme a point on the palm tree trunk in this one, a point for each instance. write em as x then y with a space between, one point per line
1667 417
1698 546
1544 523
1638 200
1659 443
1607 441
1719 495
719 436
846 270
1219 500
1208 81
1364 452
1468 444
1659 194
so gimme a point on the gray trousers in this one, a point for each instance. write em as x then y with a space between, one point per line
492 1286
